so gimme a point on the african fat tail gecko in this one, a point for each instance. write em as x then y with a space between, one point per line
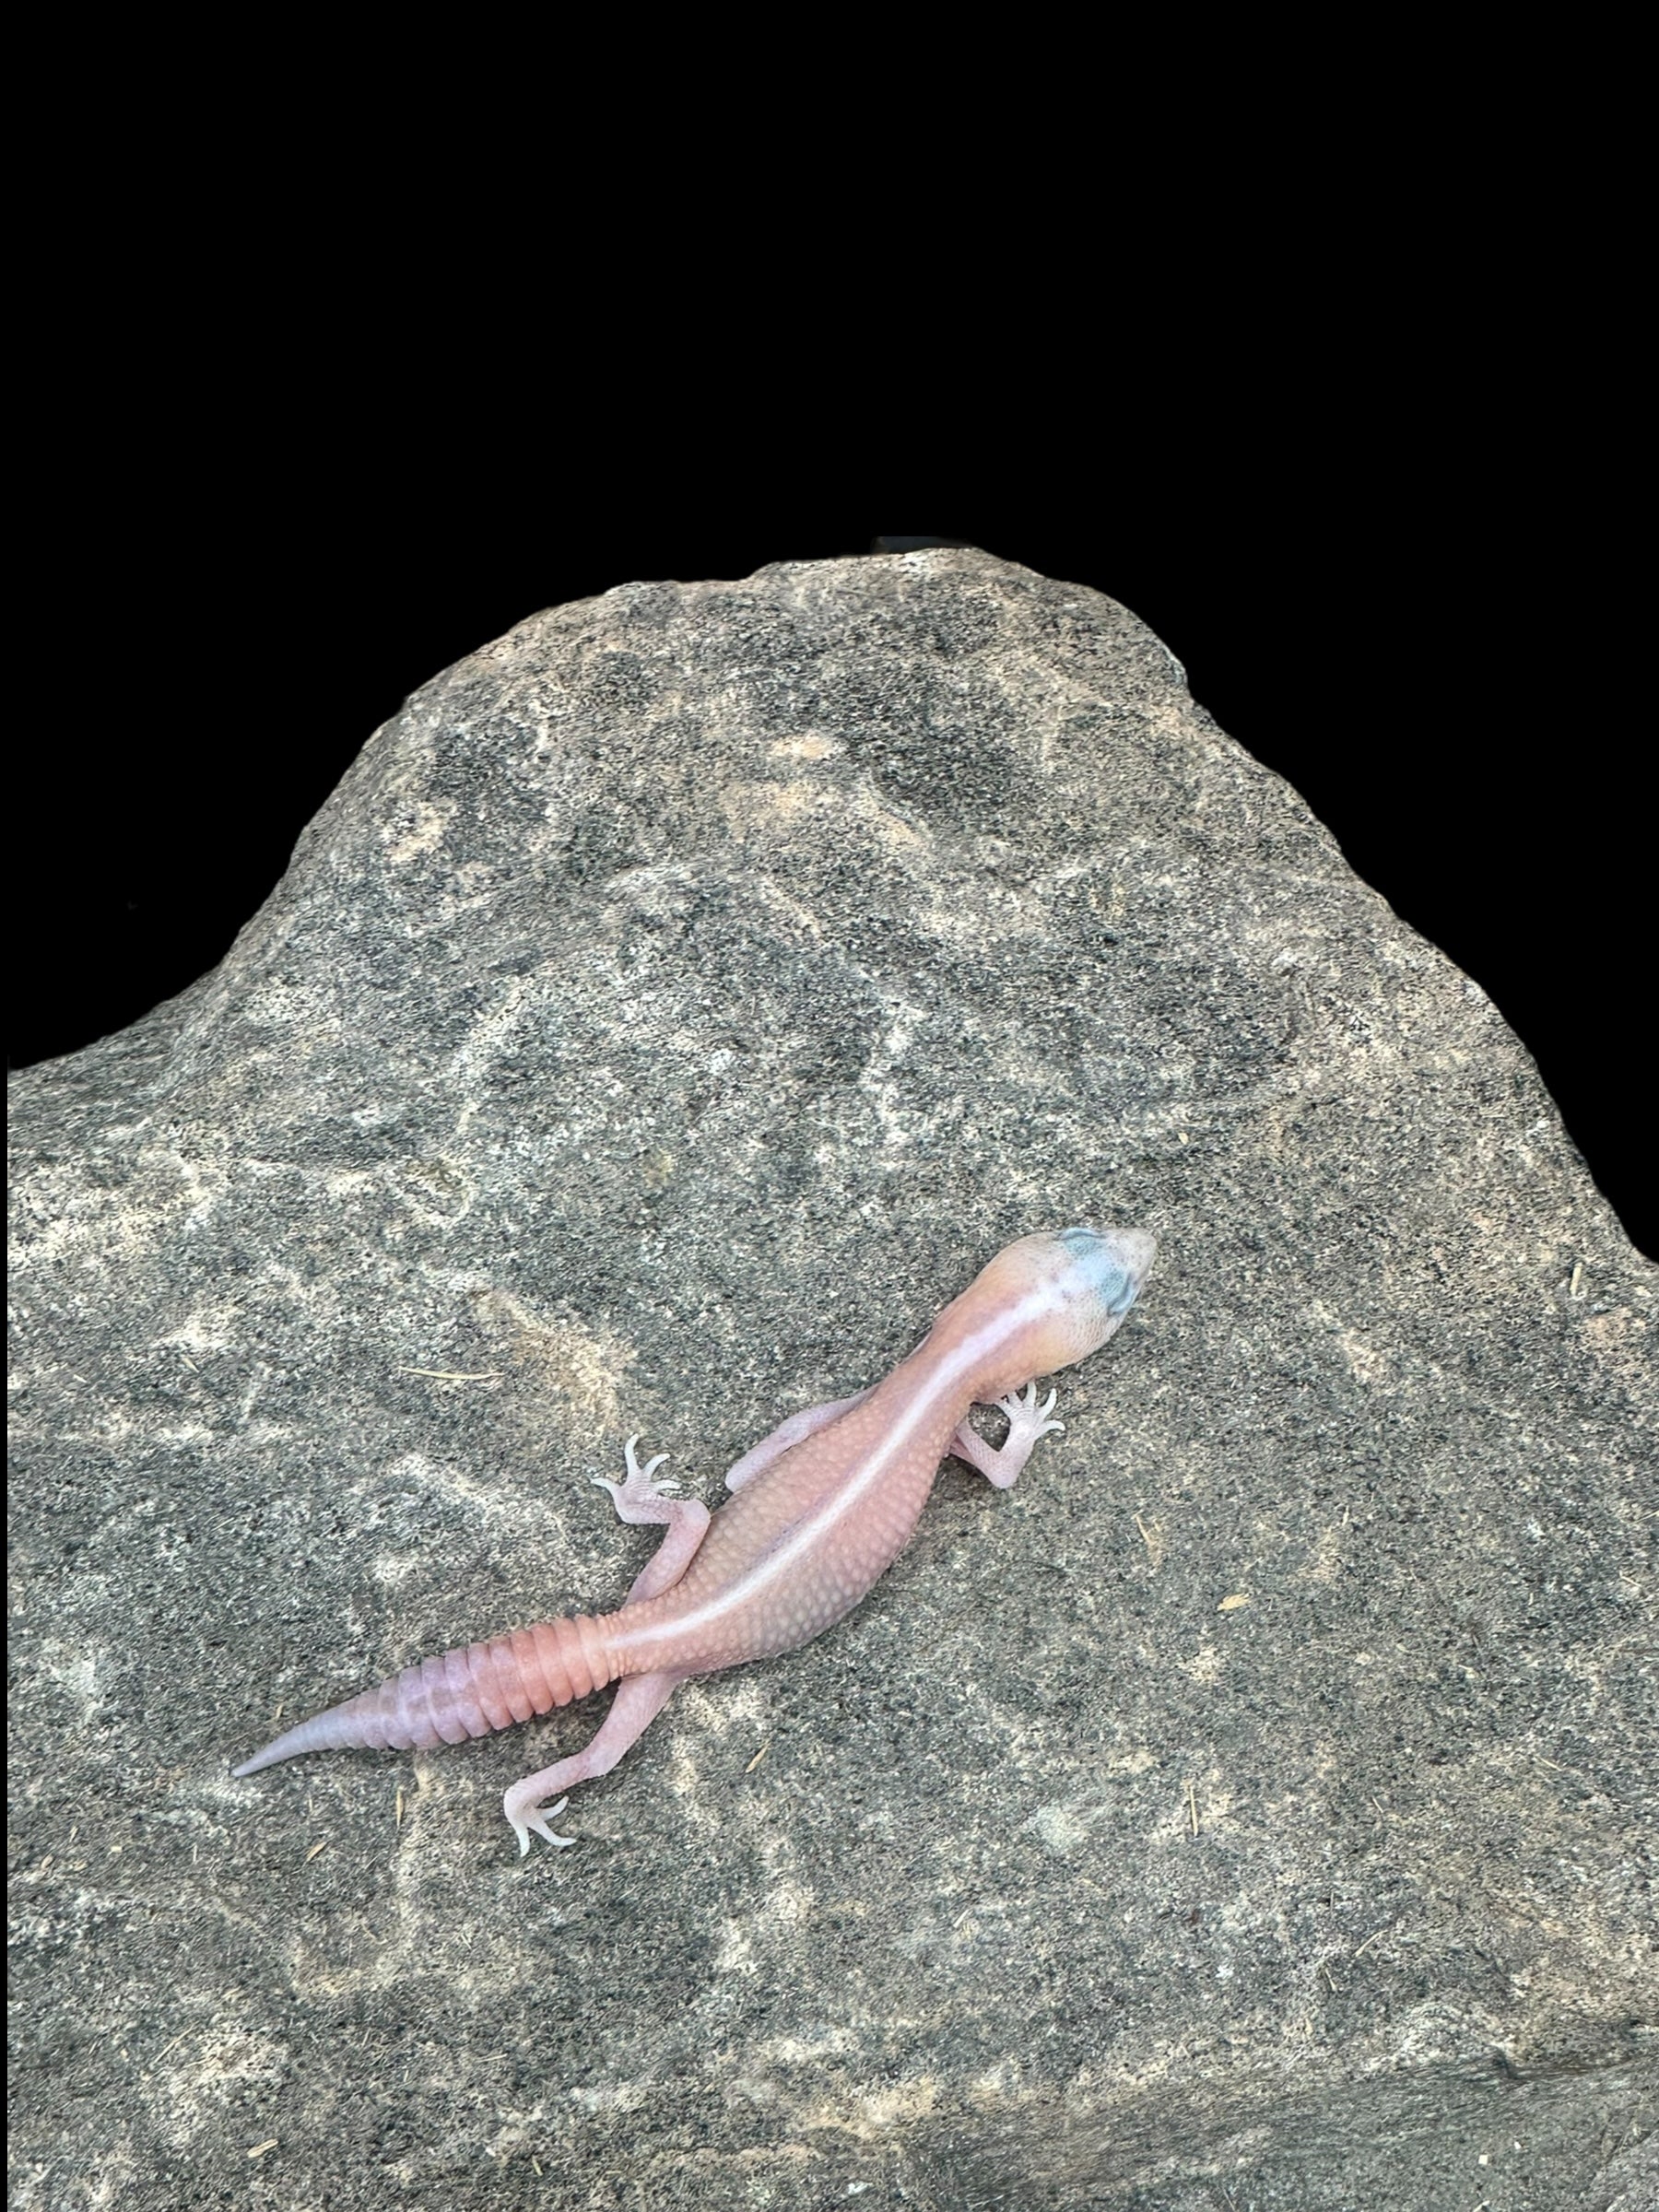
818 1510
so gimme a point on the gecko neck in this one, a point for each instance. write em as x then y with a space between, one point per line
976 1351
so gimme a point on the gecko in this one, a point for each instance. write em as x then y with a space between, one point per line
817 1513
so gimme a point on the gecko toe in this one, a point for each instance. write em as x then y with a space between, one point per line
539 1820
532 1819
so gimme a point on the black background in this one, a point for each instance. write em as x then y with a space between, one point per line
1439 667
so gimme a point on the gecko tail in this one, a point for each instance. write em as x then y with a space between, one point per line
324 1731
467 1692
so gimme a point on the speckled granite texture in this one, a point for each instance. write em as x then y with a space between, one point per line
677 1001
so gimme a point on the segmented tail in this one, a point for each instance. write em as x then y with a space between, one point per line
467 1692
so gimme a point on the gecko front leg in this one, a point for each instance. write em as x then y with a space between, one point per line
1001 1463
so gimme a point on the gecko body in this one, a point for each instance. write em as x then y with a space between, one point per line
818 1511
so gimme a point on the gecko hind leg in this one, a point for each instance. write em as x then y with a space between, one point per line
634 1707
1026 1422
642 1502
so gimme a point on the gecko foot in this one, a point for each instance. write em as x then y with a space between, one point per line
525 1817
1000 1464
1026 1419
634 1497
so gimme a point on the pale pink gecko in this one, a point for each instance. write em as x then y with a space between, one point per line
819 1511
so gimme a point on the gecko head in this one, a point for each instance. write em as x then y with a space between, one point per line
1113 1262
1073 1288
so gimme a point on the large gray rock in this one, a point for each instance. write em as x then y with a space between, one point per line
675 1002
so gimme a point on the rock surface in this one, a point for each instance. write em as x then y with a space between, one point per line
676 1002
